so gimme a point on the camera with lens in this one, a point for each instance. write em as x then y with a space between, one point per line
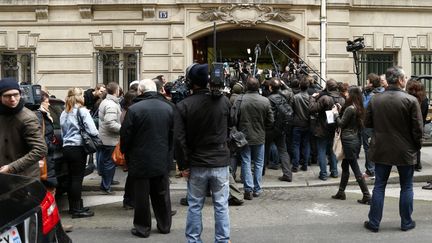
32 96
355 45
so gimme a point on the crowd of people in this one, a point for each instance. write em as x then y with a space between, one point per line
289 123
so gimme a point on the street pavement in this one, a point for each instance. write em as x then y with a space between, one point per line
298 211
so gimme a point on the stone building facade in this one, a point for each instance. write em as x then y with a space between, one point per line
65 43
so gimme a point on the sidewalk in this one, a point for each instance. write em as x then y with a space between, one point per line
270 180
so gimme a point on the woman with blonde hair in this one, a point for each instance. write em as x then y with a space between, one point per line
73 150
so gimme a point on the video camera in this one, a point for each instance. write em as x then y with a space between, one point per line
32 96
355 45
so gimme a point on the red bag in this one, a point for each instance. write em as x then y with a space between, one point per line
118 157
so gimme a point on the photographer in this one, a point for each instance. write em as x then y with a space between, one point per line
201 128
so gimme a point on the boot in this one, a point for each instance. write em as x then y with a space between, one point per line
339 195
78 211
342 185
366 195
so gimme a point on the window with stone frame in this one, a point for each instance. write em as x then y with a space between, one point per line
16 65
375 62
119 67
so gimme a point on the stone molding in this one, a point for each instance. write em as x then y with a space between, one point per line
246 15
117 39
18 40
421 42
86 12
41 12
379 41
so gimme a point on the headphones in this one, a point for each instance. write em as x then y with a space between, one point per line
188 81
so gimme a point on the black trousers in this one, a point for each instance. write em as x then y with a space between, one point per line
156 188
75 158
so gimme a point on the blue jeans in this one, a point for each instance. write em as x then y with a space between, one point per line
366 135
382 173
324 147
218 180
301 142
107 166
248 154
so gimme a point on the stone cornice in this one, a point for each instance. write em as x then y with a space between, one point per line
245 15
41 12
86 12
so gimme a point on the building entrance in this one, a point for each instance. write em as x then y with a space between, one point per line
237 47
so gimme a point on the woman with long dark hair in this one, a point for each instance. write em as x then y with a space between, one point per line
351 122
417 89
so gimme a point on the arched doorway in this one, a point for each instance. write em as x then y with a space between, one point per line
237 45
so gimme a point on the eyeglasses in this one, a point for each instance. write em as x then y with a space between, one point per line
9 96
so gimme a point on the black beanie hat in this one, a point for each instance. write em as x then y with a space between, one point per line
8 84
199 75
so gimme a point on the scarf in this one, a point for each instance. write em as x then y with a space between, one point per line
5 110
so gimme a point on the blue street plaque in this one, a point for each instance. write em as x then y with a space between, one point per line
163 14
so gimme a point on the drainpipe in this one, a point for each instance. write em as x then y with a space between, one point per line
323 41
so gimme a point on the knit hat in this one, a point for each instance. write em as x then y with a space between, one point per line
199 75
8 84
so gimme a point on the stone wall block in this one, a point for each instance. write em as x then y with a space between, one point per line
3 39
422 42
397 42
157 64
12 40
314 32
412 41
107 39
139 39
128 39
388 41
177 31
313 48
156 48
378 41
369 41
177 64
117 39
23 39
177 47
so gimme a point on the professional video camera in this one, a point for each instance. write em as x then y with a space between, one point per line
32 96
179 90
355 45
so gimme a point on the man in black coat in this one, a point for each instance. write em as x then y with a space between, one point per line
201 129
146 140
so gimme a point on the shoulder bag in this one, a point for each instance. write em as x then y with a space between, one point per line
90 143
237 139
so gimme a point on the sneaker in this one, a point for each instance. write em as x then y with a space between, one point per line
294 169
368 175
248 196
323 178
334 176
284 178
428 186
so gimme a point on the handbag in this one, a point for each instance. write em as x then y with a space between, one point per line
117 156
337 145
90 143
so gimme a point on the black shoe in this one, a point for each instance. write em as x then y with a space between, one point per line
284 178
428 186
107 192
113 183
323 178
339 195
128 206
369 227
235 202
273 167
334 176
173 212
294 169
303 168
365 200
248 196
184 202
256 194
412 226
139 234
77 213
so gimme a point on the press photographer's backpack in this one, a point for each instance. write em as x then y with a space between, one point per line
284 114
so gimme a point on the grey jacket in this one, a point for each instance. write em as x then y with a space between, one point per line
397 121
22 144
256 116
109 120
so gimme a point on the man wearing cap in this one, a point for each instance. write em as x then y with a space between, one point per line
201 129
22 144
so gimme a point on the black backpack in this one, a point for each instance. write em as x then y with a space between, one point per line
284 113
